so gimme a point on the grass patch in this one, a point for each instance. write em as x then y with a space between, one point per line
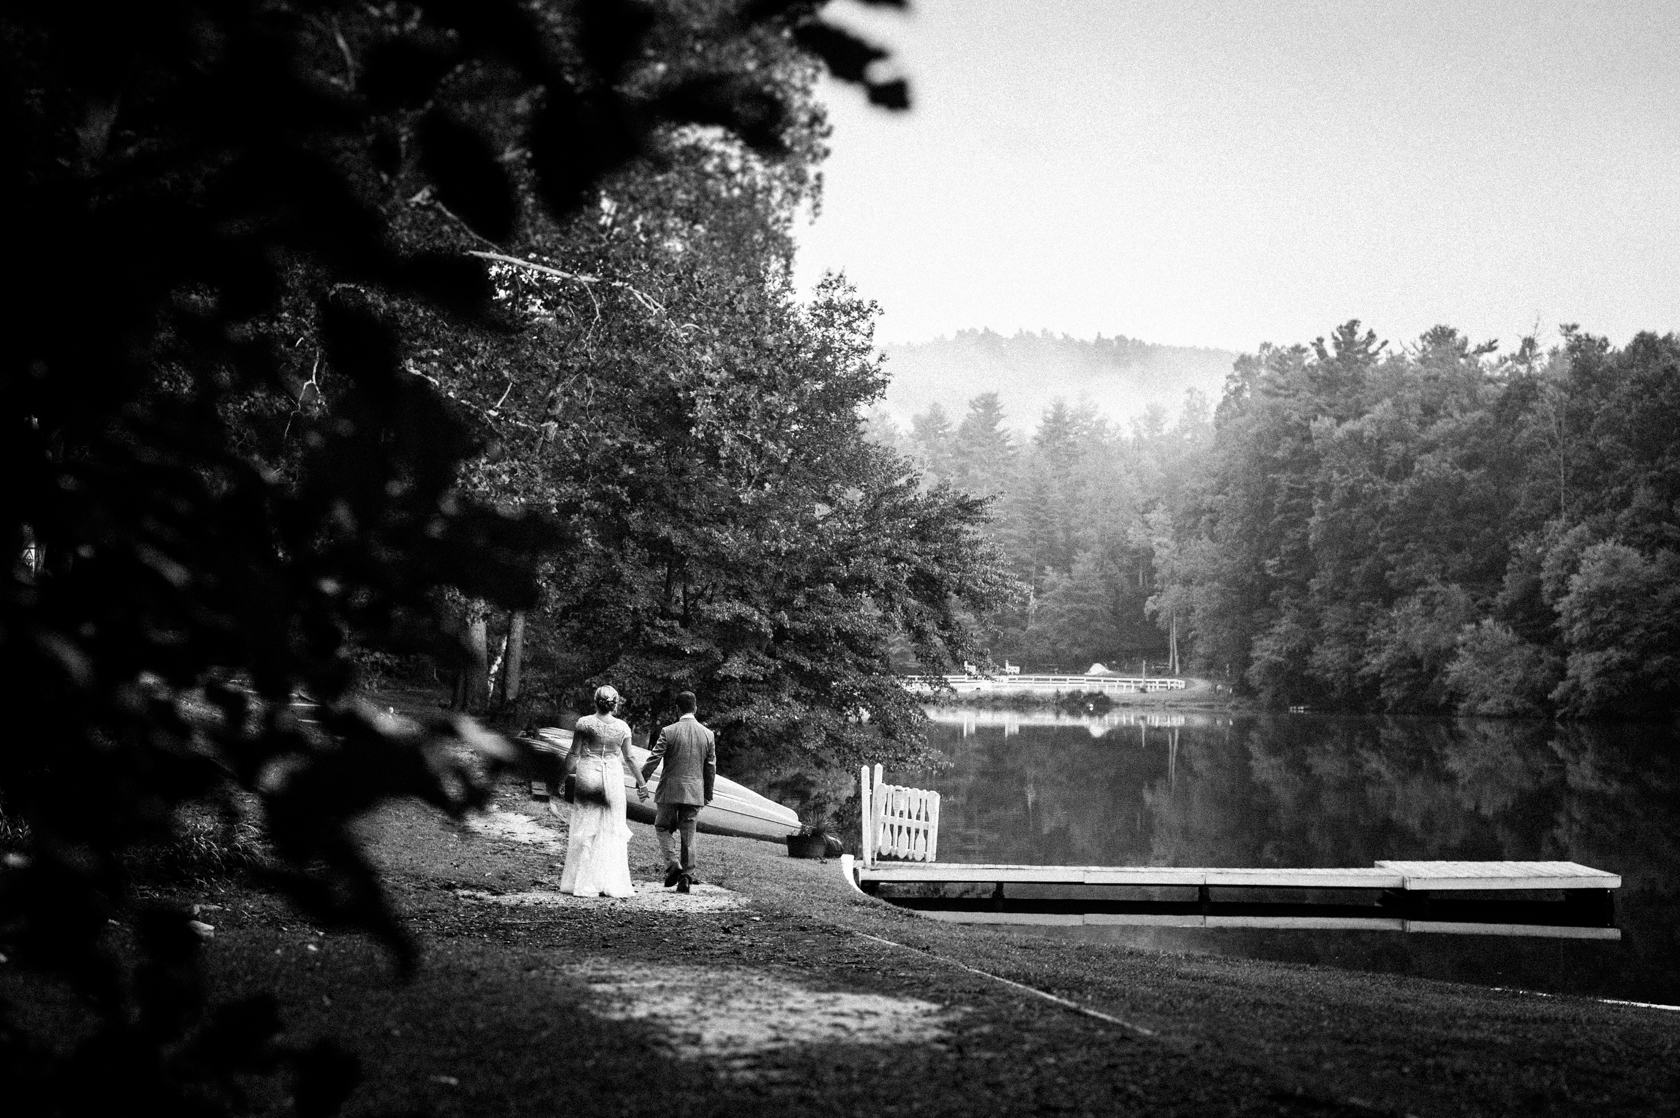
207 846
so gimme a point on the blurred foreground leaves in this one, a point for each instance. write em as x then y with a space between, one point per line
200 201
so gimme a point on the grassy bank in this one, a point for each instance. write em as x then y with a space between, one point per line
784 992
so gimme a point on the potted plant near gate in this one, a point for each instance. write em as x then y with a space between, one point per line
814 839
810 842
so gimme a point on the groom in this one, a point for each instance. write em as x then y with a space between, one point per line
690 755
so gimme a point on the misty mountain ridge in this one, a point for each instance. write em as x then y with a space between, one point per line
1121 376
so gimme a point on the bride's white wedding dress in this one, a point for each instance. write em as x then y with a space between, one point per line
597 851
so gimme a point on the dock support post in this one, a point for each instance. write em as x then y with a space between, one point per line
1203 899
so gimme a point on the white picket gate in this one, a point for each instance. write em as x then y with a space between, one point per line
898 822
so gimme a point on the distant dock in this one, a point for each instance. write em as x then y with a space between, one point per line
1043 684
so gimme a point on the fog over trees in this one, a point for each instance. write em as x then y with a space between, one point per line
1434 526
1123 377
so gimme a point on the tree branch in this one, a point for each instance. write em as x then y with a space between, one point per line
647 301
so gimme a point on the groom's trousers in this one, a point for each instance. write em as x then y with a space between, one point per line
670 820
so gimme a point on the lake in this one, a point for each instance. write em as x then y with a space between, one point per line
1189 789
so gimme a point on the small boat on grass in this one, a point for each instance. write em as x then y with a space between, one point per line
734 810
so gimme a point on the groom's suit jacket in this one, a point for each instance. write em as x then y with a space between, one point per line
690 755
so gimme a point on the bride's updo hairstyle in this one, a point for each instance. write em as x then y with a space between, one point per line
606 698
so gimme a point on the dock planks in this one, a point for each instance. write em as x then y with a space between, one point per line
1502 875
1405 875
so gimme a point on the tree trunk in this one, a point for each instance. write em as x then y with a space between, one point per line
492 685
454 627
478 655
515 657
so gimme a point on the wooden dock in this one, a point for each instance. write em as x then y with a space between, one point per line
1434 876
1551 899
900 845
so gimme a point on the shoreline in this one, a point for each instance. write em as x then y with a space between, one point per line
1197 695
777 989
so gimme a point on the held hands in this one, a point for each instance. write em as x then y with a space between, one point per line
642 791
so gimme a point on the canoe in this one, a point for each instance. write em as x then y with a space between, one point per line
734 810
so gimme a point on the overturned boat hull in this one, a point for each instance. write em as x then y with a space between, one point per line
734 810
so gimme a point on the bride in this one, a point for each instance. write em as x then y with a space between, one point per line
597 854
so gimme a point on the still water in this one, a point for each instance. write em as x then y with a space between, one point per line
1307 790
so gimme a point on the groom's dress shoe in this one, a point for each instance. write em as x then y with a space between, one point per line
672 873
682 883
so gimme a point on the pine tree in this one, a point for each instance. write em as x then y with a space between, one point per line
982 450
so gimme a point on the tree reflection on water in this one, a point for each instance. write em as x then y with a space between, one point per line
1307 790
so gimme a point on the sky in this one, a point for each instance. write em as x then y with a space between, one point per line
1227 173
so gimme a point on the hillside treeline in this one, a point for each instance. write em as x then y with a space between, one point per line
1429 527
1436 527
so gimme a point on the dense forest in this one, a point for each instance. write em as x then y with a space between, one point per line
1076 509
1429 527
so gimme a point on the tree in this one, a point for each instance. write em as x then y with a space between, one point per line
1621 624
1095 613
737 533
930 440
1497 673
1254 508
700 207
879 428
982 452
1411 647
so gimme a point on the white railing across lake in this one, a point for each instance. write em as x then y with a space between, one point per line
1081 684
898 822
